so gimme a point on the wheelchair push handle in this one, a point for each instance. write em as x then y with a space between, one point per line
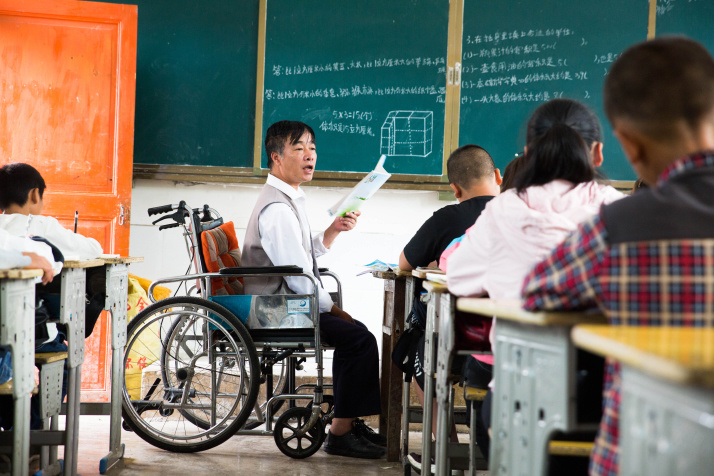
160 209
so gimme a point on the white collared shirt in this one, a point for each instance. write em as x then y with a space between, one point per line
281 238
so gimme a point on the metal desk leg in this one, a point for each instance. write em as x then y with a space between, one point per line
408 301
443 389
429 366
117 289
72 308
17 302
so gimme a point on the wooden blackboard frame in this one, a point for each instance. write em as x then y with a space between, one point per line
256 174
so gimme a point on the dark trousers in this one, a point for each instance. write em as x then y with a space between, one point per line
355 367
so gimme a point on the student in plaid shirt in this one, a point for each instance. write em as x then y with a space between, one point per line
647 259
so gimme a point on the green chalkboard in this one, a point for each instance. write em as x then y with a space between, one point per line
693 18
518 54
195 82
369 76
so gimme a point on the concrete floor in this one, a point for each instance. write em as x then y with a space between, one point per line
248 455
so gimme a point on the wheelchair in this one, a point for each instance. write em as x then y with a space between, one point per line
194 364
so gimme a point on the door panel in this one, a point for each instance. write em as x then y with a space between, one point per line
67 79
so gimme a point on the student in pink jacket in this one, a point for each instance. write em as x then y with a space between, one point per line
553 192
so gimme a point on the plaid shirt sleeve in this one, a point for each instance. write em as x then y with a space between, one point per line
567 279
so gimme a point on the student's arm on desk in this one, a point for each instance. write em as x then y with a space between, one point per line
38 262
340 224
568 278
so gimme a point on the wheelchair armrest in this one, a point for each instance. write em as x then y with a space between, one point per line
323 270
263 270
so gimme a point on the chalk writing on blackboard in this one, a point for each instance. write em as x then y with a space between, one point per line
666 6
407 133
355 91
346 128
285 70
528 65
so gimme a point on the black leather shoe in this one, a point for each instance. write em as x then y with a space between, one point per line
363 430
352 445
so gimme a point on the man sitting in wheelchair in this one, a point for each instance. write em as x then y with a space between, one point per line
278 234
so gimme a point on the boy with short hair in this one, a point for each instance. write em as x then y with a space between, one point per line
21 199
659 98
475 180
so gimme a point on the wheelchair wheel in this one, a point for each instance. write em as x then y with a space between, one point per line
288 434
191 374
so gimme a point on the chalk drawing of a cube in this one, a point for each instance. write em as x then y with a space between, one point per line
408 133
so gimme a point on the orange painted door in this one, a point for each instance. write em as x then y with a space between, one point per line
67 83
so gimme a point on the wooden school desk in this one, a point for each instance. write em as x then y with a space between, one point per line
72 310
436 292
413 284
535 382
117 270
391 376
17 330
449 455
667 407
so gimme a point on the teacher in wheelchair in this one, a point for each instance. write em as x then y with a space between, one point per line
279 234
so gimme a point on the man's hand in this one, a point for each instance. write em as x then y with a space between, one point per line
337 312
345 223
38 262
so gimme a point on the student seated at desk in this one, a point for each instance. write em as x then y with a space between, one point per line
22 253
475 180
553 192
21 200
12 256
647 259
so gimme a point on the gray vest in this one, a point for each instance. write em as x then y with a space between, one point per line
255 255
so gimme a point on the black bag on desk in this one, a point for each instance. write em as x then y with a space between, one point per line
405 350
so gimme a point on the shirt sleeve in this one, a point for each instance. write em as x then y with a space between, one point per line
13 259
423 248
281 239
567 279
468 265
70 244
318 246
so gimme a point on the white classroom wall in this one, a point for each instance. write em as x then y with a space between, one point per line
388 221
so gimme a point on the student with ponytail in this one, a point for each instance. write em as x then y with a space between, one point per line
553 192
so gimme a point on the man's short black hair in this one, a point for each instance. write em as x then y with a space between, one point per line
468 164
16 182
660 82
283 132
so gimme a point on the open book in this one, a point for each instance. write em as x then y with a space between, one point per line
367 187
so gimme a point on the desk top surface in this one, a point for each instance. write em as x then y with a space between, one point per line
91 263
123 260
83 263
511 310
435 287
20 273
683 355
399 274
422 272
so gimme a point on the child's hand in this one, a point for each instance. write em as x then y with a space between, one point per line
38 262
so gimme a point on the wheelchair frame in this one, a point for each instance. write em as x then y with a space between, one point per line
307 423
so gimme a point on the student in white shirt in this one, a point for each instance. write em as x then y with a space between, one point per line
278 234
21 199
